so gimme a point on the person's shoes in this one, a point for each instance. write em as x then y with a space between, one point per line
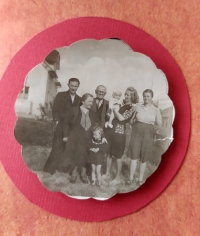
73 179
139 183
84 180
129 182
105 177
88 180
114 182
93 182
106 125
104 183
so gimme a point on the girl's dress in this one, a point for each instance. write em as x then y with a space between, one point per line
116 135
97 158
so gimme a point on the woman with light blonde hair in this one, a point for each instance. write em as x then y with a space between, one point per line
116 136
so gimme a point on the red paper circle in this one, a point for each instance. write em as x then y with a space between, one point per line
33 53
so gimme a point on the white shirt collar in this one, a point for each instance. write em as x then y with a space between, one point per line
84 110
152 106
72 97
99 102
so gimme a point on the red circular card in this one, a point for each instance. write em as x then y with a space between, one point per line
33 53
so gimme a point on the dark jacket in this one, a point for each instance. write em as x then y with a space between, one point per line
104 109
70 120
62 105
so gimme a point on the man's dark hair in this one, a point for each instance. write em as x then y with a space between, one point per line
74 80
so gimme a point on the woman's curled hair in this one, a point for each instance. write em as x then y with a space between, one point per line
134 95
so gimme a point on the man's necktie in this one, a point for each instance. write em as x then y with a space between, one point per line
99 102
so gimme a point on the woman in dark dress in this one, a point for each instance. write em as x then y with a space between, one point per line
78 135
116 136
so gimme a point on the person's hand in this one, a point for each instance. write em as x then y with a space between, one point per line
94 150
55 121
115 111
104 140
131 122
65 139
109 112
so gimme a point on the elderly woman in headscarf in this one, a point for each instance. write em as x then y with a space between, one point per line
116 136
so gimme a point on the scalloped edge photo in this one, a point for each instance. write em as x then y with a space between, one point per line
94 119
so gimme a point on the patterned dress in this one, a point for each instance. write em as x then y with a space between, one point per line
116 136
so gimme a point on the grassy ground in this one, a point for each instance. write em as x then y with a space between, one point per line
36 138
33 132
36 156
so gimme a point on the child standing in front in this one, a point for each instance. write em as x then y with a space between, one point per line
116 103
97 154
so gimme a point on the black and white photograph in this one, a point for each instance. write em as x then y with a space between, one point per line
94 119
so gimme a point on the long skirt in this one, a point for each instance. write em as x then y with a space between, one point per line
76 149
116 143
53 162
141 142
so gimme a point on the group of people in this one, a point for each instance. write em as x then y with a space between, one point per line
89 129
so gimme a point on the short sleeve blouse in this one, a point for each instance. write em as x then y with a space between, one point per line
149 115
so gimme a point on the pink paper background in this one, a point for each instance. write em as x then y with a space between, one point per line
64 34
175 25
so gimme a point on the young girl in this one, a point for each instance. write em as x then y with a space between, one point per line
116 103
97 153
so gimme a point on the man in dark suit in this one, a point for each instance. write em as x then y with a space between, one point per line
64 101
100 105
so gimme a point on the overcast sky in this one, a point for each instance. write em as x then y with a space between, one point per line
113 64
